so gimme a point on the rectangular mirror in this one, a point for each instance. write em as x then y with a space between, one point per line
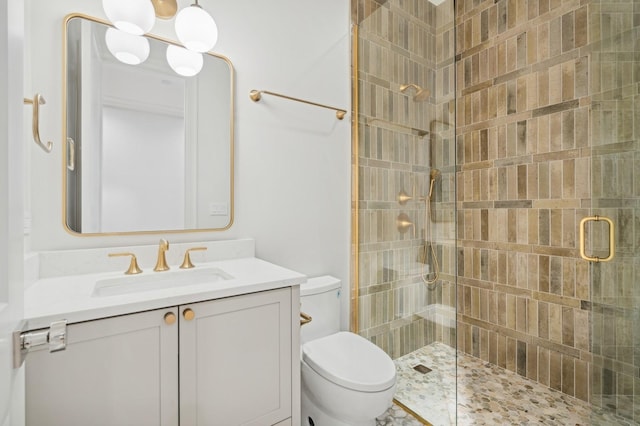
147 149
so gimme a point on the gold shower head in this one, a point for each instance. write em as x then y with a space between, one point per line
421 94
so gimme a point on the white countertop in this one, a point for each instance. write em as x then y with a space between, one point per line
71 297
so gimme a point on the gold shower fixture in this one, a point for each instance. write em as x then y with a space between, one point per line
421 94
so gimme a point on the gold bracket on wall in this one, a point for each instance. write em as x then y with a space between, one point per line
256 95
612 248
35 124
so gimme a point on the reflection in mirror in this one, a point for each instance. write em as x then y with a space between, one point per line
148 149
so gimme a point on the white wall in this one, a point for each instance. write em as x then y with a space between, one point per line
292 167
11 207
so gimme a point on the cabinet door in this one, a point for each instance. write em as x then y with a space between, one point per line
115 371
235 360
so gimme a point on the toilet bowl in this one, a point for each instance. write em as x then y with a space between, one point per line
346 379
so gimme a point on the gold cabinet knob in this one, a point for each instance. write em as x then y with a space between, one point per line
188 314
169 318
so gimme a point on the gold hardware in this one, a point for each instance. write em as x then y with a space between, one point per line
169 318
256 95
165 9
161 264
355 183
35 122
583 243
133 265
186 263
421 94
403 197
71 159
305 319
231 163
403 223
188 314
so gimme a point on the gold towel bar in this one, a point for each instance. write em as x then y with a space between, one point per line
35 124
256 95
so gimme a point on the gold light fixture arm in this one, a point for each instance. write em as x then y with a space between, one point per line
35 122
612 239
256 95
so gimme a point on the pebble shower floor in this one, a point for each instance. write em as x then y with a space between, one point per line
487 395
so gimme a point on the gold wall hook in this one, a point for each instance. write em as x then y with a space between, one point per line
186 263
35 121
133 265
256 95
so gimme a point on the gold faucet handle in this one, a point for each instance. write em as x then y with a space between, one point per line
133 265
186 263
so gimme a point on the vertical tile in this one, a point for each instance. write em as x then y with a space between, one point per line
521 358
567 326
568 36
555 370
568 372
543 320
581 380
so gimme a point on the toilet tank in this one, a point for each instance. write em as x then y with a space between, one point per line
320 298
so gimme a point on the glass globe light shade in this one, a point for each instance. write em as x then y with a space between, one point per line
196 29
184 62
131 16
127 48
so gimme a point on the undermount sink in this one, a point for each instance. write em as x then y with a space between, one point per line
158 280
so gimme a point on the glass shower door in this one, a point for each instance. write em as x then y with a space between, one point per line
615 191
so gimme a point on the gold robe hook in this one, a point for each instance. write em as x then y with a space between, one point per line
35 124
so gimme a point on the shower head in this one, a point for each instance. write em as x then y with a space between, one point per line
421 94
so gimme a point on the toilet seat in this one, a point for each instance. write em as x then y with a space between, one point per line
351 361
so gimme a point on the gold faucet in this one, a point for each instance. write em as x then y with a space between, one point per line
161 264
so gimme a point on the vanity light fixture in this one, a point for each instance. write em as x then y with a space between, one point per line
131 16
194 26
127 48
196 29
183 61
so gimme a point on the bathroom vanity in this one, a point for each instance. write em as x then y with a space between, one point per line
211 351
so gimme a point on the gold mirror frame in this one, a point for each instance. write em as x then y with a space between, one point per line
69 145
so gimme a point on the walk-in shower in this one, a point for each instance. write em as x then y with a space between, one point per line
492 129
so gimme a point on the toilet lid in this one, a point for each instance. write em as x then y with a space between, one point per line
350 361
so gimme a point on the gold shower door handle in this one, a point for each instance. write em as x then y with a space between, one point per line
612 237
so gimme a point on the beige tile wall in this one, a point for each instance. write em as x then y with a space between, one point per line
523 186
545 94
402 42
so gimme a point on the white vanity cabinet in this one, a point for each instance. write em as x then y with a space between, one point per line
236 360
114 371
229 361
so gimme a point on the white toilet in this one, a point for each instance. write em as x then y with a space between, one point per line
346 379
